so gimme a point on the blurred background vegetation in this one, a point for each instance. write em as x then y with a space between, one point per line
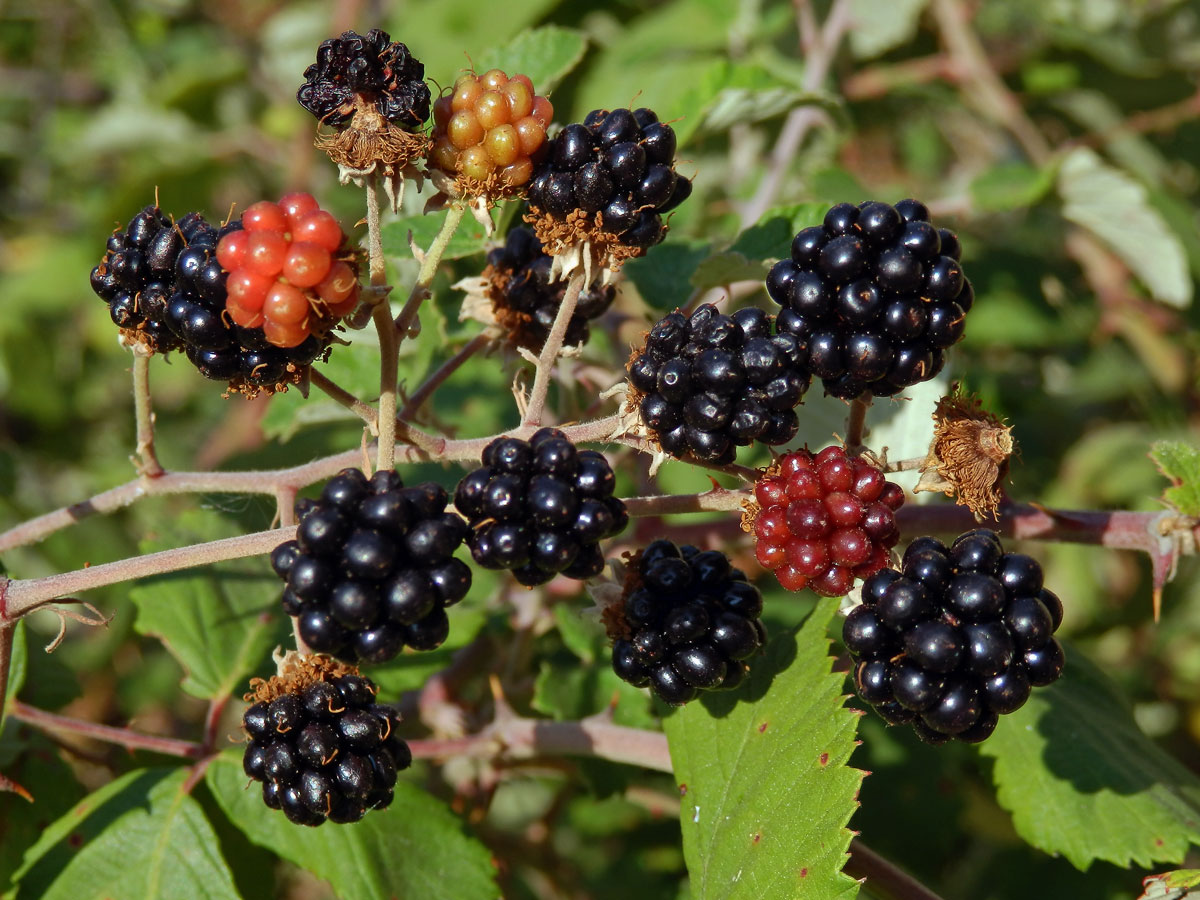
1060 138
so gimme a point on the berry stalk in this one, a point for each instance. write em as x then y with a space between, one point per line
389 347
147 460
884 877
429 267
344 397
856 424
550 351
418 398
8 629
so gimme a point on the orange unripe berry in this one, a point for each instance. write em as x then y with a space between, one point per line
543 111
319 228
502 145
265 252
531 133
466 91
443 155
247 289
518 173
285 303
231 250
520 99
339 284
242 316
493 79
474 162
491 109
283 334
296 206
442 111
525 80
464 129
306 264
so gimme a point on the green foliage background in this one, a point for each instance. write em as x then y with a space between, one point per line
1084 336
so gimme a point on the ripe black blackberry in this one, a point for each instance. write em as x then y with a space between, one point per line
612 173
372 567
320 746
376 68
955 639
165 289
525 301
540 508
686 623
708 383
876 295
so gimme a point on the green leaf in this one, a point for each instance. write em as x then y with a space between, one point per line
17 662
220 622
414 848
1170 885
1011 186
1179 462
1081 780
469 238
880 25
139 836
757 248
546 55
765 787
662 277
1116 209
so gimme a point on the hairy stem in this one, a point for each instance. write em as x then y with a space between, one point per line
421 395
856 424
130 740
347 399
429 267
550 351
26 595
8 629
389 347
147 460
885 879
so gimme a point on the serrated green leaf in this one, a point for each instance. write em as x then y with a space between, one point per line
547 55
880 25
219 622
1116 209
1011 186
1179 462
139 836
414 848
765 788
729 93
469 238
663 277
1080 779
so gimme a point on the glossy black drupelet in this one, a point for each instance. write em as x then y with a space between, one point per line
956 639
162 282
372 568
618 163
876 294
710 383
325 752
692 619
382 71
526 302
540 508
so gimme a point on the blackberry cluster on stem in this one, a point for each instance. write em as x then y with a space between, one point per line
824 520
372 568
876 294
616 170
374 67
709 383
956 639
686 623
540 508
524 299
322 748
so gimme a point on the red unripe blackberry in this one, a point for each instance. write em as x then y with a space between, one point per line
372 567
320 745
876 294
957 638
686 624
540 508
821 521
525 301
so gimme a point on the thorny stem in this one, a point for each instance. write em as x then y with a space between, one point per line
25 595
347 399
389 347
550 351
8 629
429 268
856 425
418 397
130 740
885 879
147 460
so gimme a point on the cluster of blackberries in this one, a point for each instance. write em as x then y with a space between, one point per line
956 639
325 751
376 67
687 624
540 508
372 567
825 520
876 294
619 164
711 383
526 302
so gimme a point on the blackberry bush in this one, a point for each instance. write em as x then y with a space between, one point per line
824 520
372 568
876 294
525 301
708 383
540 508
320 746
955 639
686 623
